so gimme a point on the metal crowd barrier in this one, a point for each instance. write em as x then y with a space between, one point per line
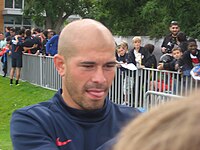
128 87
154 98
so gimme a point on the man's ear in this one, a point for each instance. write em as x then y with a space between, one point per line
59 64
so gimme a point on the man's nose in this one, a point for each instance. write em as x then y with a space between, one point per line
99 76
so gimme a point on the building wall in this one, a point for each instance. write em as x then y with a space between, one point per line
1 15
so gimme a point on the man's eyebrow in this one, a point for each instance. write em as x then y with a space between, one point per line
112 63
87 62
92 62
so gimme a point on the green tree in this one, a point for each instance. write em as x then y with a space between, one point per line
122 17
53 13
148 17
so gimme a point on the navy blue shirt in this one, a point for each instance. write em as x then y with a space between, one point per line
17 48
52 125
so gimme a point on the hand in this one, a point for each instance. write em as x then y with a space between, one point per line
176 66
163 49
118 65
160 66
142 66
35 45
37 53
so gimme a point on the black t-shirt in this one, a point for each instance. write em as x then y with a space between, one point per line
29 42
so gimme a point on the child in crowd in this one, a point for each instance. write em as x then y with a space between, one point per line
122 58
138 55
169 62
151 60
172 65
122 52
190 58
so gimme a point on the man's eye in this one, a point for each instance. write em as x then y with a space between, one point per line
110 66
87 66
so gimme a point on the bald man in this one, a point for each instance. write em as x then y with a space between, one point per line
79 116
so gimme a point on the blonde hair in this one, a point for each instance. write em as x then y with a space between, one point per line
137 38
172 126
124 44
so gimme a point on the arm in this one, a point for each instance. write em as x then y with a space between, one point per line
27 133
170 66
163 46
29 48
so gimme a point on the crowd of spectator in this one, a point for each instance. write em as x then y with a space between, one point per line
179 52
32 41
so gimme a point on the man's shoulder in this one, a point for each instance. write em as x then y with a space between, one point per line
40 108
169 35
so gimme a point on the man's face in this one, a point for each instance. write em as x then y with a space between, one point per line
174 29
192 47
88 77
177 54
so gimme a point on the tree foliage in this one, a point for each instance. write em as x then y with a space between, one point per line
53 13
149 17
127 17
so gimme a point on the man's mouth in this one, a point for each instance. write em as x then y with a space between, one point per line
96 93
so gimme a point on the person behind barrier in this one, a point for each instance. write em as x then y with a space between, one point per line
182 41
47 36
138 55
2 41
30 43
171 39
7 32
172 126
171 63
12 32
4 55
122 51
79 116
190 58
52 45
151 60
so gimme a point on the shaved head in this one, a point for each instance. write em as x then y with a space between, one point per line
81 33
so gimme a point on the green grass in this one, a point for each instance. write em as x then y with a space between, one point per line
14 97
